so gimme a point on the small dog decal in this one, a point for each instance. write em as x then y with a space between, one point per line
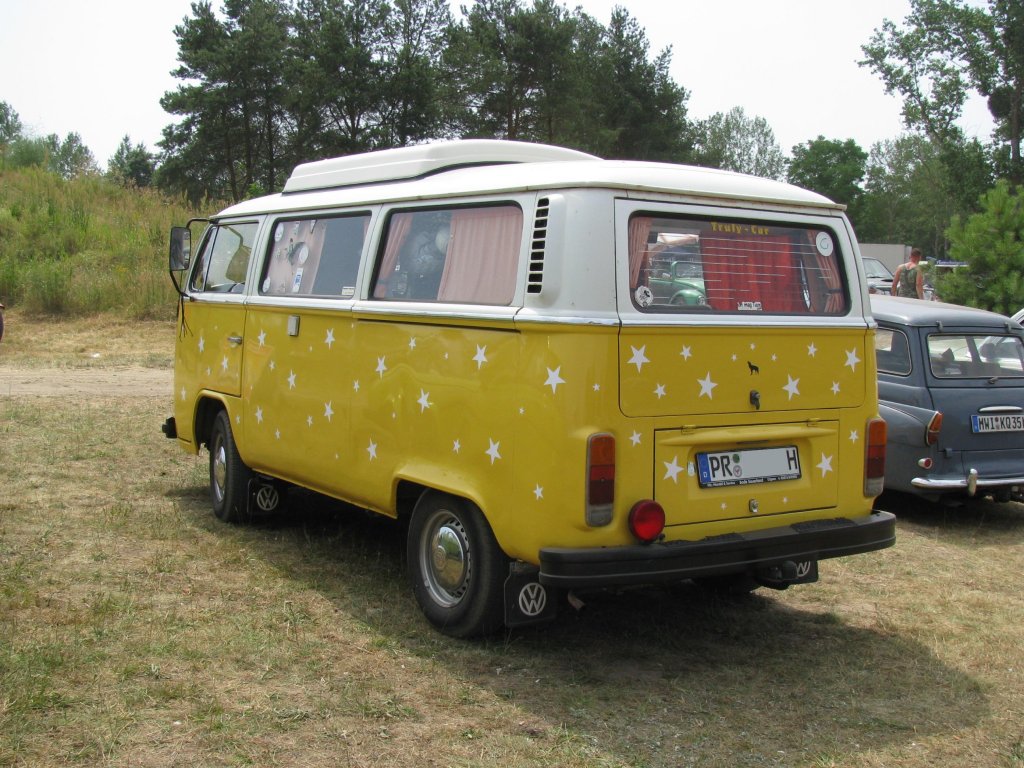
753 368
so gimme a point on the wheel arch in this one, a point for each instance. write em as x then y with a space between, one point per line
206 410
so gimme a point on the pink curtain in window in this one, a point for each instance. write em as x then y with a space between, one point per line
752 270
483 256
398 231
639 229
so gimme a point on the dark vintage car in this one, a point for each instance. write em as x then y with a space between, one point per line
951 389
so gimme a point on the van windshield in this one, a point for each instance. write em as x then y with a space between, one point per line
679 264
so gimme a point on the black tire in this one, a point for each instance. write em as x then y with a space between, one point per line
456 567
229 477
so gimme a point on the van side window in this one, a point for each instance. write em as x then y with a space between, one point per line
224 259
315 257
464 255
892 353
682 264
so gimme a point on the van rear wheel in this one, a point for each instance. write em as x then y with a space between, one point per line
455 565
229 477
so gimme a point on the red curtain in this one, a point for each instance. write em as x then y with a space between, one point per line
747 271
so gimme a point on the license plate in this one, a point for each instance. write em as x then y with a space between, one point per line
748 466
1007 422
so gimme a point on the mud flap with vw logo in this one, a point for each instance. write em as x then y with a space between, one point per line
527 601
784 574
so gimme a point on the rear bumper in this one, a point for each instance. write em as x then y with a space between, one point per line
970 483
717 555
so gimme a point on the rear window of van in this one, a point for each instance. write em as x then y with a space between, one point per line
685 264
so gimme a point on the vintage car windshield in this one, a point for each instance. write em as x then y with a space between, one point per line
683 264
975 356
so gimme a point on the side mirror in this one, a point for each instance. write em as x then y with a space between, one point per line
181 249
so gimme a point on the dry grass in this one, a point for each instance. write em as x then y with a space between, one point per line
136 630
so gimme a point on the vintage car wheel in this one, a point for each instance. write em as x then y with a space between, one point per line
229 477
456 567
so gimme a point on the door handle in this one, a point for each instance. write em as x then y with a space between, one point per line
235 340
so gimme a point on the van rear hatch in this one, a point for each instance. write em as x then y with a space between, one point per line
748 420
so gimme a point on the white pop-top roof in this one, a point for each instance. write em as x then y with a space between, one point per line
455 169
422 160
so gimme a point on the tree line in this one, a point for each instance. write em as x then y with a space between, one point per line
266 84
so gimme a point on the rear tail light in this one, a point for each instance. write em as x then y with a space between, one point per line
874 457
931 435
647 520
600 479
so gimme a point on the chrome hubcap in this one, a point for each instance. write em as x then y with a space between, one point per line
445 557
220 470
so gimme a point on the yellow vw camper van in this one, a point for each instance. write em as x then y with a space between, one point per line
562 372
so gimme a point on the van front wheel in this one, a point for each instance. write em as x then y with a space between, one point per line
456 567
229 477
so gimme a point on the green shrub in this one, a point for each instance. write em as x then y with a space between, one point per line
85 245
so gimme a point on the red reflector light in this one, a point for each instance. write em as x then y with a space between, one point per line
647 520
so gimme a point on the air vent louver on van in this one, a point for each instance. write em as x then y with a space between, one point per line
535 279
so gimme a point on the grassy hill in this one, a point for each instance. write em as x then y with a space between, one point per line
85 246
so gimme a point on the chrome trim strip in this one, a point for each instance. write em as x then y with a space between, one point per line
1001 409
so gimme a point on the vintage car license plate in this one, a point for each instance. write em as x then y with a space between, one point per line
748 466
1006 422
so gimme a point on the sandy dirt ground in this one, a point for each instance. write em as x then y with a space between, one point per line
120 381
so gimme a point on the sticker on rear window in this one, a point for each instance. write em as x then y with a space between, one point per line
824 243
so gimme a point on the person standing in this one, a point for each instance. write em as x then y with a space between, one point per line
908 280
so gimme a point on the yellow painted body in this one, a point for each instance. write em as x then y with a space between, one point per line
499 412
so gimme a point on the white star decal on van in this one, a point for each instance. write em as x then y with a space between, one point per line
355 385
659 390
291 379
686 354
554 379
538 492
424 401
493 451
635 438
835 387
309 421
481 356
706 386
202 343
372 450
259 415
412 343
852 359
639 359
329 340
793 387
262 337
224 363
381 367
672 469
811 349
825 465
328 411
457 446
854 437
183 393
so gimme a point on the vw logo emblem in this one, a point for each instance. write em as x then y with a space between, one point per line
532 599
803 568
